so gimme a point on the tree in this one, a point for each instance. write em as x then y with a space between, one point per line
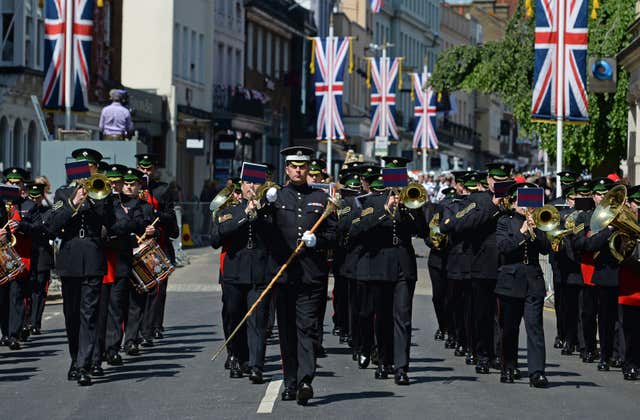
505 68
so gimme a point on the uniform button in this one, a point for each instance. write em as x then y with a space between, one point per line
299 209
299 215
299 227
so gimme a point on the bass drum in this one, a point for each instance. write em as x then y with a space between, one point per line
150 266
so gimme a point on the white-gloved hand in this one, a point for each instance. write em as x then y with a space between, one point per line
309 239
272 194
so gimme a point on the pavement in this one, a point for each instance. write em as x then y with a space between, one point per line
177 380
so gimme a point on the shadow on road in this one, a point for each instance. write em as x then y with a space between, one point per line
444 379
347 396
17 374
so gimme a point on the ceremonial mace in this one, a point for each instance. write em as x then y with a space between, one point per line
332 204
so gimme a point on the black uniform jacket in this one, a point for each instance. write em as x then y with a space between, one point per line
35 223
387 251
519 273
437 257
161 199
246 244
477 225
459 252
127 224
296 210
606 267
346 254
81 251
567 260
3 219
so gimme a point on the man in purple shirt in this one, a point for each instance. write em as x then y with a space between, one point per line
115 119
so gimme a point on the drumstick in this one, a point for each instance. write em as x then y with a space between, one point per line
141 238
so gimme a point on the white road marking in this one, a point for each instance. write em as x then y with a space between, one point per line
48 317
270 395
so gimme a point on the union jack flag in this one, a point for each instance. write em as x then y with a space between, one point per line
383 97
424 136
57 12
330 53
376 5
565 63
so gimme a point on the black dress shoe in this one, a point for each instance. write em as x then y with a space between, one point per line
35 331
496 363
114 359
566 351
73 373
96 370
227 363
589 357
4 341
603 366
615 363
321 353
14 344
538 380
83 378
375 359
305 393
336 331
438 335
344 338
363 361
517 375
506 377
401 377
288 394
24 333
630 374
450 343
131 348
146 342
256 376
381 373
236 370
460 352
482 368
157 334
558 343
470 359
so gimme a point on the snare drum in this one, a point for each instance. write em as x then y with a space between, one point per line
150 266
11 265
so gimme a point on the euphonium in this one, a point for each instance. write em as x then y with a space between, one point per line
439 240
222 199
413 196
613 211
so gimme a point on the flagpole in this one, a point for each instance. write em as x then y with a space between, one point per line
383 97
560 84
425 115
329 113
68 49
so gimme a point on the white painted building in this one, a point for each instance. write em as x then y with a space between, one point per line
167 48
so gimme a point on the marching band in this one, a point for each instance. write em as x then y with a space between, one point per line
280 243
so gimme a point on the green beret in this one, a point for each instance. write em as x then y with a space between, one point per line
500 171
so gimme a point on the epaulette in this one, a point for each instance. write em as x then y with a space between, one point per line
344 211
57 205
367 211
464 211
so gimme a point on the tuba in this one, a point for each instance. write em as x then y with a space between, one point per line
613 211
413 196
438 239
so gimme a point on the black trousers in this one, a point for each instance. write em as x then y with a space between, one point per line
570 314
512 310
154 314
39 284
110 318
354 302
81 298
559 302
374 322
439 292
341 304
460 301
250 342
297 309
630 316
101 325
17 290
5 305
137 307
588 301
607 317
482 322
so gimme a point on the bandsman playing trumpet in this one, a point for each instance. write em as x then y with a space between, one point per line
387 271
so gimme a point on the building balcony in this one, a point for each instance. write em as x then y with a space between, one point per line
237 100
457 135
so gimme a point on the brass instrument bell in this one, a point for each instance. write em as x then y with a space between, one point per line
413 196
